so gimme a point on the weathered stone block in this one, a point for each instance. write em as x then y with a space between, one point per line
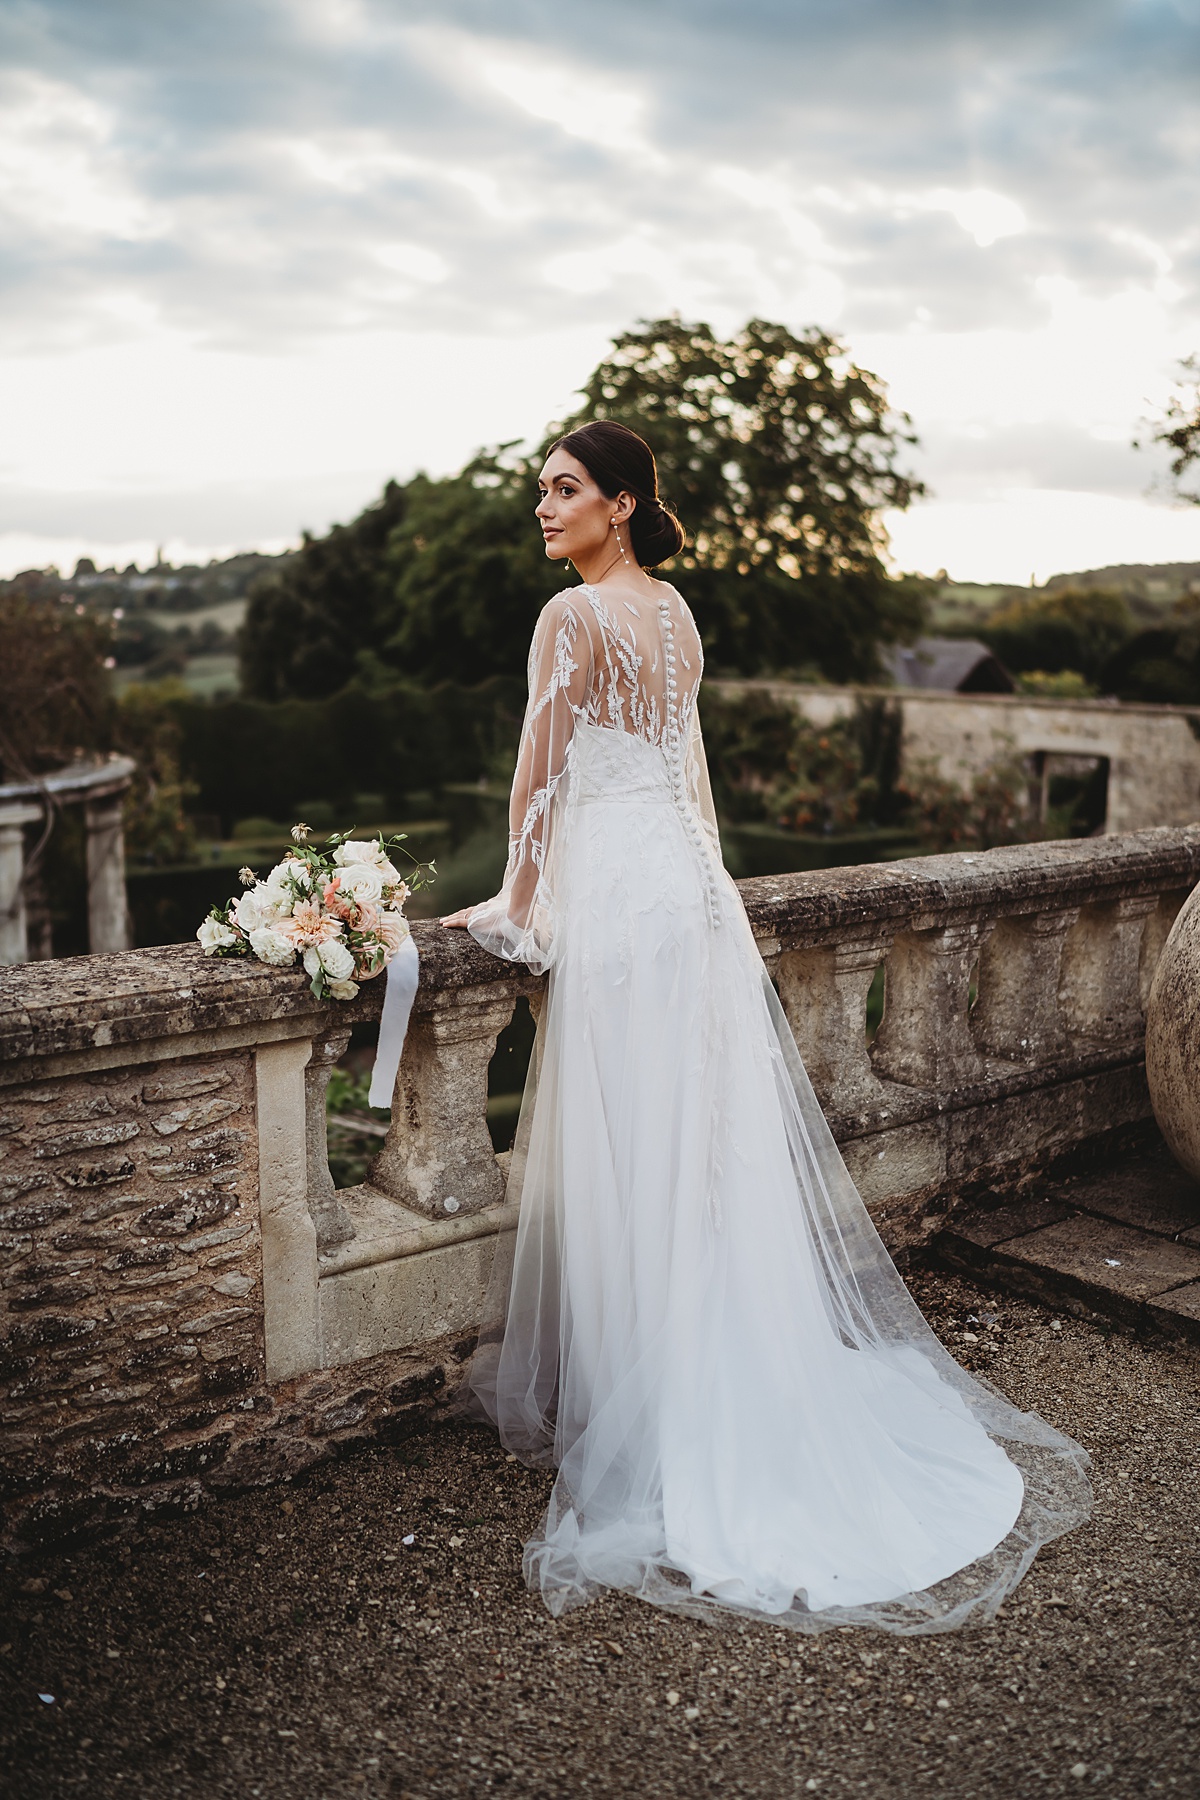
151 1257
32 1218
192 1118
62 1111
53 1293
97 1137
189 1211
97 1175
52 1328
185 1087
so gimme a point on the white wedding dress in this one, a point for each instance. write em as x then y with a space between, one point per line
701 1328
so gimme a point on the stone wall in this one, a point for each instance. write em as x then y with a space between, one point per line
1153 752
185 1303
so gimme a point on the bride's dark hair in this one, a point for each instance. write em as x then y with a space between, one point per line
620 462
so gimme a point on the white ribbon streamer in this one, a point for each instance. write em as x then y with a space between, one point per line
401 977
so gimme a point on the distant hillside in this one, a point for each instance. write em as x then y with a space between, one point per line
1160 583
167 620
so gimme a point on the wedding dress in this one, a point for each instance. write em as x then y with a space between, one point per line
701 1328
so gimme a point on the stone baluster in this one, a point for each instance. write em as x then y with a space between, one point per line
438 1158
1017 1015
925 1037
824 994
329 1215
1155 933
1100 989
108 905
14 947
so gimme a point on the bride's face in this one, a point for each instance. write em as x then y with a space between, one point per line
575 516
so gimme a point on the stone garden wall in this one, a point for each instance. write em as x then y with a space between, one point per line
187 1305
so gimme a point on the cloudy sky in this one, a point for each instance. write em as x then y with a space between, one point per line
261 254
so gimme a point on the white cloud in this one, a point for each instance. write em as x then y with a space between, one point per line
60 171
984 215
580 101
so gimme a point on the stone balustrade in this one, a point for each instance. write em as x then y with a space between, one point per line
187 1303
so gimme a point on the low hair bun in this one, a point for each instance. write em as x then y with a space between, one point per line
621 462
655 533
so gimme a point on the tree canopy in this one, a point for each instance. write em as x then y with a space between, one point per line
1179 430
779 453
1064 628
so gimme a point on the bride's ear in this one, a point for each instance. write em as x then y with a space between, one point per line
622 508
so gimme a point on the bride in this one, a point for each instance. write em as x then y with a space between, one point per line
702 1330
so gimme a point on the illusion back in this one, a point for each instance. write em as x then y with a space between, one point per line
601 660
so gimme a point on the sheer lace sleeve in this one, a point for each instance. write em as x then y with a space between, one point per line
519 923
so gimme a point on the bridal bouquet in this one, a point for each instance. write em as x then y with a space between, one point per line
340 910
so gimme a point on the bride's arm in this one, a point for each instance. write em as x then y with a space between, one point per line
518 923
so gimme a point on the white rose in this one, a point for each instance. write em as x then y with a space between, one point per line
213 935
343 990
360 850
258 906
364 881
270 947
336 959
280 885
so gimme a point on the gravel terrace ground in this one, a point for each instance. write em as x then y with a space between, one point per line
290 1644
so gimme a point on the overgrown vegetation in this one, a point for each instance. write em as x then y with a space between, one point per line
769 764
992 807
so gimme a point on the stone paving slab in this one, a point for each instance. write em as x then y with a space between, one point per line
1137 1264
1180 1308
1122 1243
1154 1195
990 1228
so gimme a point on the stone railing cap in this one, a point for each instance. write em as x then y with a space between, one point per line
81 781
83 1002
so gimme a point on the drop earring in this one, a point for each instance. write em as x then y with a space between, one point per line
620 545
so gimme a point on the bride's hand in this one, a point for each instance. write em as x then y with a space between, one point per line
459 918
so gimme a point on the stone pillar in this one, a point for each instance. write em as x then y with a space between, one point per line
925 1038
438 1158
824 994
108 904
329 1215
1101 987
1017 1014
1155 933
14 817
291 1319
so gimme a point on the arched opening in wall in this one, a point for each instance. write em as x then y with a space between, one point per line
876 1003
506 1075
1069 793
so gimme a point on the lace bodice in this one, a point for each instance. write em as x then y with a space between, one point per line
614 660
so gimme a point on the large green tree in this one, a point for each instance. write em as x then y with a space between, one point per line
1063 628
778 452
1179 428
308 623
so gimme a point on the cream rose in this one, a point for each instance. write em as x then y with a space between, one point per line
213 935
364 881
343 990
271 947
361 850
393 929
